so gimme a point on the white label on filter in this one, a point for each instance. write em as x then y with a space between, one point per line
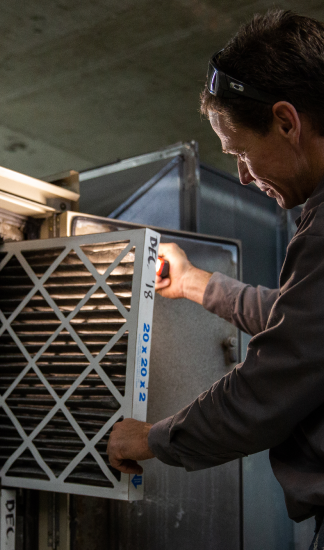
144 328
8 519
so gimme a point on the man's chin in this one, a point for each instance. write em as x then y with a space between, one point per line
286 203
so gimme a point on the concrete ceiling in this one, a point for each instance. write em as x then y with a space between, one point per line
84 82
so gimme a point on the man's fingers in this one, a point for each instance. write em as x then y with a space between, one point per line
130 467
126 466
163 283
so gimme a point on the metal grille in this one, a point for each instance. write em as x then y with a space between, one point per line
73 315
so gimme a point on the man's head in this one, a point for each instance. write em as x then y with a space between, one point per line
282 54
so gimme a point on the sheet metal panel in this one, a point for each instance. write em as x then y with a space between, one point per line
147 189
152 208
103 190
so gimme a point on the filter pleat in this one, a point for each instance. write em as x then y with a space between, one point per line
89 472
26 466
14 284
10 439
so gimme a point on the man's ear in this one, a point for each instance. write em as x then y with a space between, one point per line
286 120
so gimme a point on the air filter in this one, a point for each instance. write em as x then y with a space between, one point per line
75 335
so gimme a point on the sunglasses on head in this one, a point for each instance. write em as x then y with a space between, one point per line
223 85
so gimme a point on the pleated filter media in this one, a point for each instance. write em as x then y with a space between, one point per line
75 334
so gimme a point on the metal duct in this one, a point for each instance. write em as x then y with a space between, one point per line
74 313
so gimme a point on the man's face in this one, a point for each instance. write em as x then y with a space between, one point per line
270 161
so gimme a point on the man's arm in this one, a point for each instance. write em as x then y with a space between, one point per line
244 306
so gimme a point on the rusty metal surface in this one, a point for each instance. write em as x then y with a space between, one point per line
89 525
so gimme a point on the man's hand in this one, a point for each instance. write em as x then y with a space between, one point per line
185 280
173 286
127 444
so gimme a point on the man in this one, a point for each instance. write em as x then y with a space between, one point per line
264 99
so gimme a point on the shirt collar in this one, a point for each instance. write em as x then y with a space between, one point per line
316 198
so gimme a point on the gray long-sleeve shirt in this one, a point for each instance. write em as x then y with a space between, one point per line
275 398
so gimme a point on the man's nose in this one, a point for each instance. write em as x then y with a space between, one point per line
244 174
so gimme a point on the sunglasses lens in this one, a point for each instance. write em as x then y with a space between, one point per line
212 79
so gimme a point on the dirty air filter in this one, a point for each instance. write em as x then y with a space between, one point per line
75 330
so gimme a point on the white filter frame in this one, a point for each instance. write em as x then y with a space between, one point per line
138 324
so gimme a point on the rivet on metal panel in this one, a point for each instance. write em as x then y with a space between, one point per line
230 346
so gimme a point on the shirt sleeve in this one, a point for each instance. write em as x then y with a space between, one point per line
244 306
258 404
